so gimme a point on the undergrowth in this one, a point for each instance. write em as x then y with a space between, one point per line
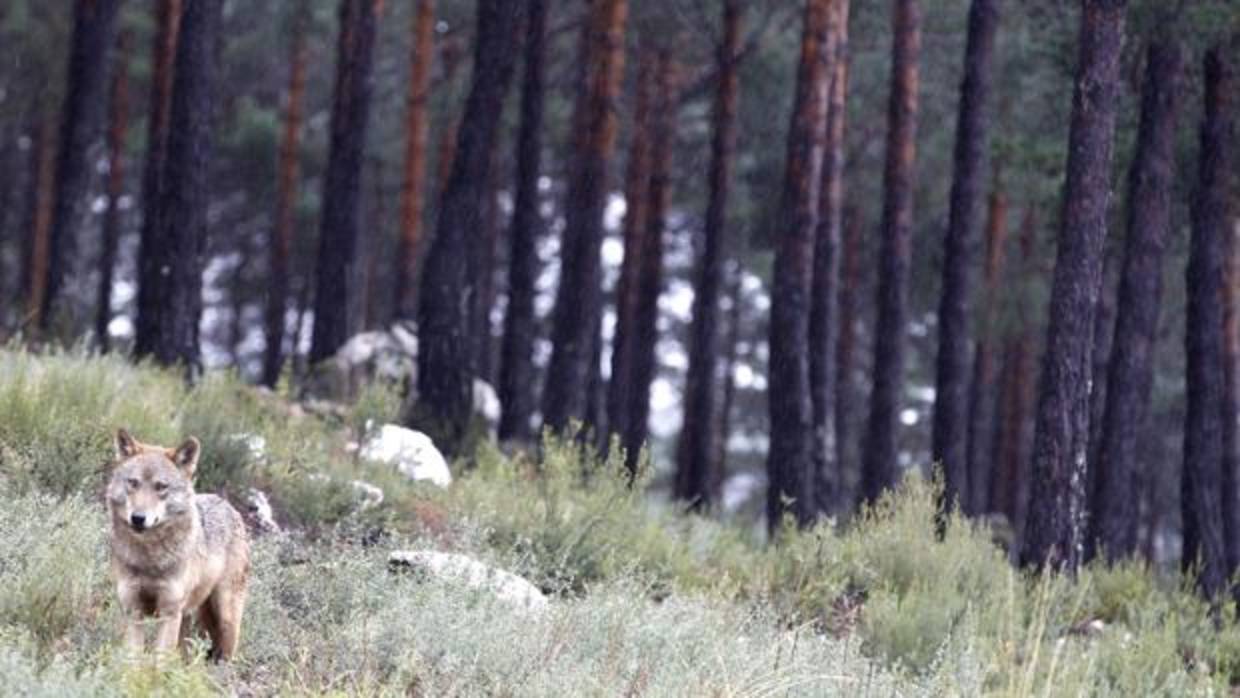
645 598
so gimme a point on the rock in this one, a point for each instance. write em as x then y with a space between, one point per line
259 509
390 355
460 569
371 496
412 452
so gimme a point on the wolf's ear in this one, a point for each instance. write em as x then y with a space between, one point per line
126 445
186 455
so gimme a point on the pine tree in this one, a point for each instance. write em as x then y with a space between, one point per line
1055 532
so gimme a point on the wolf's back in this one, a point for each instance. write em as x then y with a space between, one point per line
223 530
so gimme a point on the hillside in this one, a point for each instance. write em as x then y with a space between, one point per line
642 600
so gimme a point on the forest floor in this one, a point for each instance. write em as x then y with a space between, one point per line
644 600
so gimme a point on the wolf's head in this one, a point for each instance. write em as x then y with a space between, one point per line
151 486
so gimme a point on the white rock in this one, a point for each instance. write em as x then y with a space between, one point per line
412 452
260 509
486 403
371 496
461 569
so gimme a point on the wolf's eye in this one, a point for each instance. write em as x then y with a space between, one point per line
161 487
133 483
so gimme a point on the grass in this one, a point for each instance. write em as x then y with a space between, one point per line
646 600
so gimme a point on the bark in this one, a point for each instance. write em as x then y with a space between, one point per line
1115 518
982 396
644 328
182 217
579 296
846 389
1013 448
1103 333
1231 402
93 22
372 249
881 470
790 463
698 467
286 205
445 366
118 127
516 382
487 263
39 220
636 234
1056 524
824 306
150 281
950 445
1206 520
417 122
342 183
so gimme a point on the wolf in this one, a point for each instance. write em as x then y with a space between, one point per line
174 552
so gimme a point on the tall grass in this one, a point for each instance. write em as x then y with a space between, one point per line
646 600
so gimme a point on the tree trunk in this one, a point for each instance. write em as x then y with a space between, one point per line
1013 447
846 389
881 469
417 122
93 22
790 463
516 381
39 219
487 263
579 295
1057 507
183 202
636 233
445 366
952 409
372 247
150 281
118 127
1231 401
649 278
982 396
1203 496
1114 516
342 183
697 465
286 204
824 303
1103 333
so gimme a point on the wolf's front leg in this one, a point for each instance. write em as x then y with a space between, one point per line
168 630
135 637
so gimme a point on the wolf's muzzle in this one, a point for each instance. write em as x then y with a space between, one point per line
138 521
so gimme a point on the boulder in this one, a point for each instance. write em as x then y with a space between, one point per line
370 495
411 452
473 574
390 354
262 518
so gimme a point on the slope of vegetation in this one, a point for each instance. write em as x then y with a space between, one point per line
645 600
